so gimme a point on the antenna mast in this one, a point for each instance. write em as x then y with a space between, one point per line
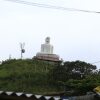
22 49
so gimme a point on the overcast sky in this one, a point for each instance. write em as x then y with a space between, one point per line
74 35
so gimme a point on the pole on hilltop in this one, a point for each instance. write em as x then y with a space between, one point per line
22 49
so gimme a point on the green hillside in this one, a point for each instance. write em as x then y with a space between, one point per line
26 76
46 78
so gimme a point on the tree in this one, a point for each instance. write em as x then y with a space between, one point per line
84 85
78 69
71 70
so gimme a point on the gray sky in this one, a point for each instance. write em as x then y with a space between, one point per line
74 35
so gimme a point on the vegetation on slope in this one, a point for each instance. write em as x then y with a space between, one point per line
42 77
25 75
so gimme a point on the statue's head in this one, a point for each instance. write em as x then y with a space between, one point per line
47 40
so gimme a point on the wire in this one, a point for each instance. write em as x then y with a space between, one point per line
96 62
51 6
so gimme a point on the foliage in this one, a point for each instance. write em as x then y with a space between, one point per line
25 75
43 77
84 85
76 75
79 67
71 70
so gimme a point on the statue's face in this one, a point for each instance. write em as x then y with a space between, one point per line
47 40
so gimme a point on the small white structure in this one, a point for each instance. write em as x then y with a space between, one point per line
46 52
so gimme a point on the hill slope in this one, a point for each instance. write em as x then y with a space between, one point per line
26 76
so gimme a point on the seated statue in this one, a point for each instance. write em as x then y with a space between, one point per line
47 48
47 51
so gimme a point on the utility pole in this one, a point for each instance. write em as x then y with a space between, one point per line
22 49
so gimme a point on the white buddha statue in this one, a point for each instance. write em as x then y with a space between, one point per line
47 48
46 52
